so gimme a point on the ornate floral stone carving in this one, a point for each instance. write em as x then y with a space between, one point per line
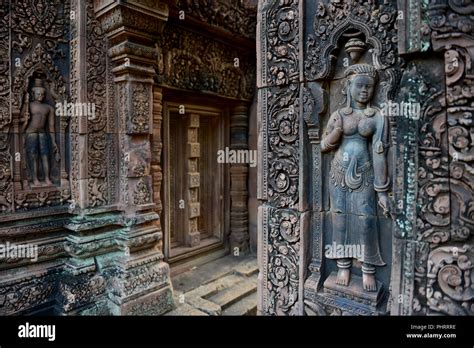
279 220
142 194
236 17
37 29
282 277
192 63
6 186
42 18
279 44
445 219
332 18
141 109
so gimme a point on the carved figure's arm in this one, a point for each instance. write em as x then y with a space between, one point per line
332 135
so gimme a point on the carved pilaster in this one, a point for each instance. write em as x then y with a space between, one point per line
141 285
6 170
282 223
313 104
79 146
445 219
156 148
239 231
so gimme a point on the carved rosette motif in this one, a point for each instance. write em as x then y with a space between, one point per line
142 194
279 185
141 109
279 65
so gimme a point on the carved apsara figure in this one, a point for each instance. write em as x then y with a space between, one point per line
358 133
39 135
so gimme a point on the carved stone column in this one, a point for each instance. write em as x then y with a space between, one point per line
239 229
142 285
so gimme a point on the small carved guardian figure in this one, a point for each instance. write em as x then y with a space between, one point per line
39 136
358 134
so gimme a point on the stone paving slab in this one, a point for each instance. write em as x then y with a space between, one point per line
228 284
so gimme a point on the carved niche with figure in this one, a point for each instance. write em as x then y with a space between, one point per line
39 81
351 67
40 143
358 135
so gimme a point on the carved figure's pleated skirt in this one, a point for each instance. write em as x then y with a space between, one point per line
354 217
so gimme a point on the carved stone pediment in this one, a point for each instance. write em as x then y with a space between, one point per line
236 17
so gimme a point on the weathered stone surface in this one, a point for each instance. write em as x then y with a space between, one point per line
185 310
218 288
81 176
246 306
427 231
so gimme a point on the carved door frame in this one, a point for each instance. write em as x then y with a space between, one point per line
192 108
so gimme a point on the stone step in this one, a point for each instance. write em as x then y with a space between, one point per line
205 306
185 309
227 297
246 306
247 268
209 272
226 282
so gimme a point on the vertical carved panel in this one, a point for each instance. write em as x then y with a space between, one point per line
96 67
341 37
6 187
112 141
141 284
446 218
279 148
193 153
413 28
156 148
75 97
40 51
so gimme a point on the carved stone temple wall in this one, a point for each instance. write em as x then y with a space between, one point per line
406 192
84 185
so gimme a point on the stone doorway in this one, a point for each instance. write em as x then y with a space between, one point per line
194 187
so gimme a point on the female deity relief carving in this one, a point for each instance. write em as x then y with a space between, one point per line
358 133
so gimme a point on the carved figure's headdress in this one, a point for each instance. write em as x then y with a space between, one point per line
38 84
361 69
